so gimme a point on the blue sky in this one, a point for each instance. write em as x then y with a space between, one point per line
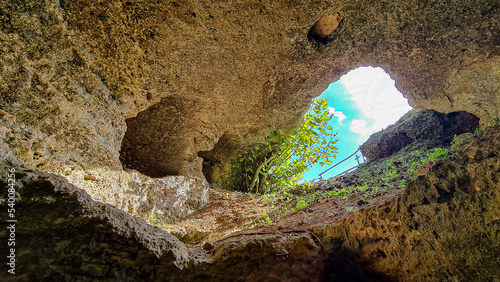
363 102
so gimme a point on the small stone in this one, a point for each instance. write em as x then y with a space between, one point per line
326 25
89 177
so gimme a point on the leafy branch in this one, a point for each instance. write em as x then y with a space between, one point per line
283 159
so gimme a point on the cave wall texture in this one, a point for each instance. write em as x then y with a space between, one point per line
90 87
157 82
179 75
445 227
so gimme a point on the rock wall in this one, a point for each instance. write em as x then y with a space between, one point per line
180 75
444 227
424 126
83 82
57 114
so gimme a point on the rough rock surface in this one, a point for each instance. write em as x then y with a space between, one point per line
163 81
58 115
75 70
433 127
62 234
326 25
445 226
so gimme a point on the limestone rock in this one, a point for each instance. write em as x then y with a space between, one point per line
426 126
441 222
58 115
159 83
444 227
72 236
326 25
184 77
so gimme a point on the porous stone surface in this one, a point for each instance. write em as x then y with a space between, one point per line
77 71
62 234
445 226
326 25
58 115
228 68
424 126
162 82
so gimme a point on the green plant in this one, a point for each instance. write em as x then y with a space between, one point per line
301 205
477 132
362 188
265 219
456 142
390 176
352 209
282 160
438 153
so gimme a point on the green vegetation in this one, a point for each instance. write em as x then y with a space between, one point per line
456 142
301 204
282 160
369 181
437 153
277 180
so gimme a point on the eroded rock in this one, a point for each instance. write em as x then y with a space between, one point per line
425 126
326 25
77 74
67 235
183 74
60 116
444 226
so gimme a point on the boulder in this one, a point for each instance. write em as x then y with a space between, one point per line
424 126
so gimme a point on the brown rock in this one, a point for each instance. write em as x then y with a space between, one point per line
169 83
89 177
185 79
441 226
424 169
326 25
425 126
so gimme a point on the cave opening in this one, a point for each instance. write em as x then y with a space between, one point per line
154 142
362 102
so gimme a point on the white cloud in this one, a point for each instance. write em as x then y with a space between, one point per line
358 126
376 96
340 115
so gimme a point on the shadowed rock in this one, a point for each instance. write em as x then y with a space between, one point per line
425 126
